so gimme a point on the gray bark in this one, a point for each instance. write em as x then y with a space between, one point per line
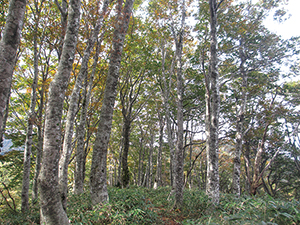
158 177
236 189
150 162
166 98
8 49
67 145
39 152
128 96
212 98
52 211
98 186
80 153
179 154
30 122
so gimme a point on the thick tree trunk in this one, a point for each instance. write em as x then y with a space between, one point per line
52 211
212 99
98 186
8 49
30 122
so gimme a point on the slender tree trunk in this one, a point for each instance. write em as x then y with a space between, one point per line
80 159
98 186
179 152
67 145
30 122
52 211
39 152
140 166
166 95
236 189
158 178
255 183
212 99
8 48
150 163
126 136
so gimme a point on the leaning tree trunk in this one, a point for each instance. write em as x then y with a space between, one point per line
212 98
67 145
8 48
52 211
98 186
30 122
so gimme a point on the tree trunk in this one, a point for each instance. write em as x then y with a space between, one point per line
67 145
98 186
179 152
30 122
236 189
8 48
39 152
212 98
166 98
158 178
126 136
150 163
52 211
80 153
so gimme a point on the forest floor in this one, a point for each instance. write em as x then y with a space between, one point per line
137 205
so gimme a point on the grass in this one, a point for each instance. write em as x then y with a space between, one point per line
147 206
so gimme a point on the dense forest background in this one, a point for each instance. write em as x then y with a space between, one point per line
165 95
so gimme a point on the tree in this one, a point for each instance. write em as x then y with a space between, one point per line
8 48
98 184
52 211
212 97
31 116
67 145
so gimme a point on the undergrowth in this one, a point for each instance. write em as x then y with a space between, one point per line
147 206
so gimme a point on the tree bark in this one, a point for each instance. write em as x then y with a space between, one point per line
126 137
158 178
52 211
179 152
98 186
212 98
80 152
67 145
236 189
166 98
30 122
39 152
8 49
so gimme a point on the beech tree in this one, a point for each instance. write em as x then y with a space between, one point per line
212 97
98 178
52 211
8 49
